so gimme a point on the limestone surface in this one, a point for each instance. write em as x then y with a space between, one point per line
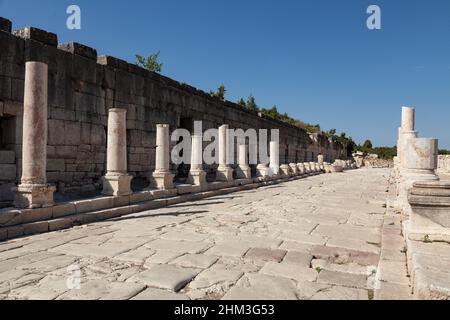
320 237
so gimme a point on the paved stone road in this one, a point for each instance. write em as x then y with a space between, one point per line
315 238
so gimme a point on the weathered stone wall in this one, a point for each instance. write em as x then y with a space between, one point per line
82 87
444 164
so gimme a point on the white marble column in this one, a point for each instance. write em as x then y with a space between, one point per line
117 181
33 191
320 161
162 177
197 176
408 119
243 171
224 171
407 131
274 157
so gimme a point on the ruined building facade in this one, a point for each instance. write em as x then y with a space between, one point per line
84 86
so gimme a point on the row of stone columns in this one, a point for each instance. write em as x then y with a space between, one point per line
34 192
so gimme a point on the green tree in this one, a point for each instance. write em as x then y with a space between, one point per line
150 63
251 103
219 93
241 102
367 145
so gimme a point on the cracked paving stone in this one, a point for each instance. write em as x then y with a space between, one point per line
165 276
342 279
195 261
298 258
341 293
258 254
255 287
229 248
290 271
159 294
103 290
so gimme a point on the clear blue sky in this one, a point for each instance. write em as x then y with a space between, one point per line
314 59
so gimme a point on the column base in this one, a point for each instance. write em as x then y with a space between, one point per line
244 172
263 171
294 169
430 210
224 174
34 196
163 180
285 170
198 178
117 185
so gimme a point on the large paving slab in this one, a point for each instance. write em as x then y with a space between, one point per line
314 238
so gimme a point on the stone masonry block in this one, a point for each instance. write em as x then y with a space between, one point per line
8 172
56 165
72 131
79 49
7 157
38 35
56 132
5 25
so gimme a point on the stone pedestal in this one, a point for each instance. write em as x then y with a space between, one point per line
33 191
430 211
274 157
301 168
419 164
224 171
294 169
312 166
285 170
263 171
320 159
117 182
307 168
162 177
197 176
243 171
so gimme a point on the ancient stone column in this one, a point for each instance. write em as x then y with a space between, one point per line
243 171
162 177
408 121
274 157
224 171
320 159
33 191
407 131
420 163
117 181
197 176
